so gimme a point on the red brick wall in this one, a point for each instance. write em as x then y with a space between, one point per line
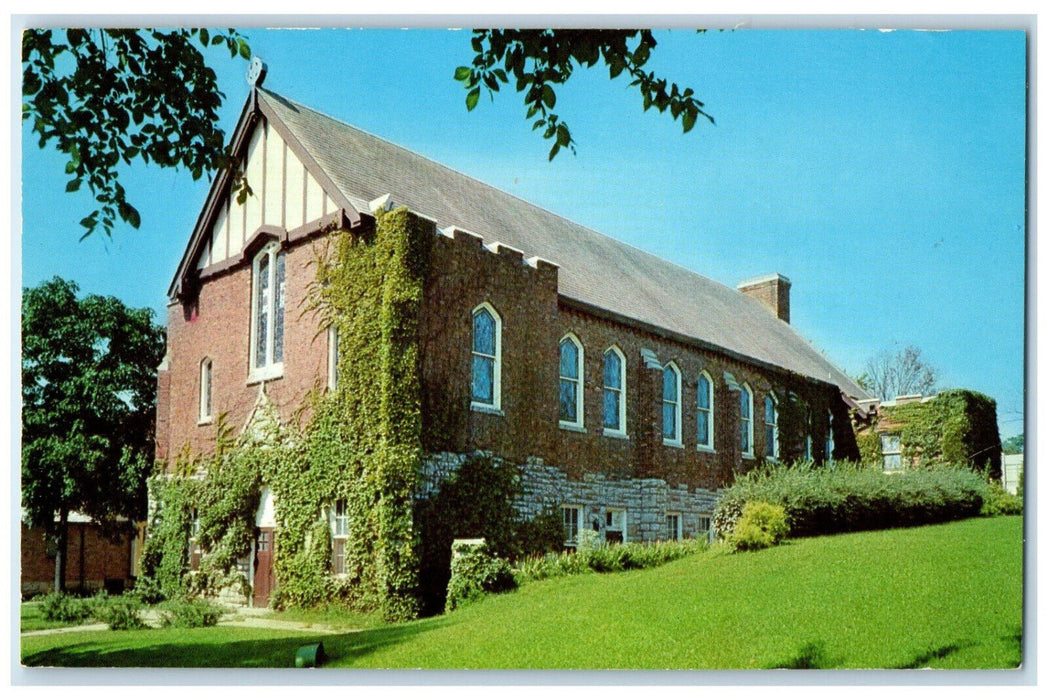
87 551
462 275
217 325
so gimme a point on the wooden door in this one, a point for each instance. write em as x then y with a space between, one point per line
265 579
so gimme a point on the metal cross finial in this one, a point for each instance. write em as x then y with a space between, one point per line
256 72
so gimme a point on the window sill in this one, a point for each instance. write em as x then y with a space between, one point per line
617 434
706 449
485 408
748 455
672 443
264 374
572 427
206 421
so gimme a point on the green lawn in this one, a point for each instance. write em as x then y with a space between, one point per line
945 596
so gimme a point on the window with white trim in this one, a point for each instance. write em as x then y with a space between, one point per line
206 411
615 525
704 416
891 452
332 368
671 405
268 277
571 517
614 392
771 426
829 439
339 535
571 358
487 358
673 525
807 435
746 420
705 527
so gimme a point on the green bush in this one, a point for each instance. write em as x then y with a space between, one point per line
761 525
190 612
62 607
474 572
606 559
118 612
1000 502
848 497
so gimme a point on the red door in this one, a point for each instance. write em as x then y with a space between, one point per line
265 579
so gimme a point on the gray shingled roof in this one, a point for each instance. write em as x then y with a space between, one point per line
594 268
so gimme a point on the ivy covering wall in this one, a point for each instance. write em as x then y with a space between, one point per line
956 427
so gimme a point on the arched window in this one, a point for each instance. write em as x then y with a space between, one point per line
267 312
614 392
746 420
206 411
704 417
771 426
829 438
487 358
571 357
671 405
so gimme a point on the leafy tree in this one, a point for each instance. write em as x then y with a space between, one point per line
102 96
540 60
88 406
889 374
1013 445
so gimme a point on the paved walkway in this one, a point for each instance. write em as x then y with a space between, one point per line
260 618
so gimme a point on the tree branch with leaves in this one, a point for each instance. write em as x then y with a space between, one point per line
541 60
106 96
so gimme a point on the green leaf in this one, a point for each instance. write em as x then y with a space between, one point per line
549 98
73 185
245 50
204 37
472 98
563 135
553 151
688 120
70 168
462 73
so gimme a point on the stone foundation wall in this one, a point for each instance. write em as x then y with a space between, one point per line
646 501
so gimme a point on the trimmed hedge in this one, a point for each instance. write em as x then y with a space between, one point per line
848 497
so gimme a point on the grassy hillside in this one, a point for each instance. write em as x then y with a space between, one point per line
944 596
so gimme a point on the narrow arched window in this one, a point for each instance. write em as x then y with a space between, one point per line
746 420
829 438
614 392
671 404
267 312
206 412
487 358
332 378
571 358
771 426
704 416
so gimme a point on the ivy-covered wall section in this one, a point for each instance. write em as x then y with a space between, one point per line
955 427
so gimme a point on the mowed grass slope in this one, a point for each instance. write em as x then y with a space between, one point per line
944 596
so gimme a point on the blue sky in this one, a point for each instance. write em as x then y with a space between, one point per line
882 172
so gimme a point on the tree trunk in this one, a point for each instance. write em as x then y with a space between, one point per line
61 539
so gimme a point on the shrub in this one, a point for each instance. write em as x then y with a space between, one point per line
1000 502
761 525
148 590
609 558
474 572
62 607
190 612
118 612
849 497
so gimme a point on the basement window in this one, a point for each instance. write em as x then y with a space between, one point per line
572 516
673 525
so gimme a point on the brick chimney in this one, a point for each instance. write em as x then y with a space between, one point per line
771 290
